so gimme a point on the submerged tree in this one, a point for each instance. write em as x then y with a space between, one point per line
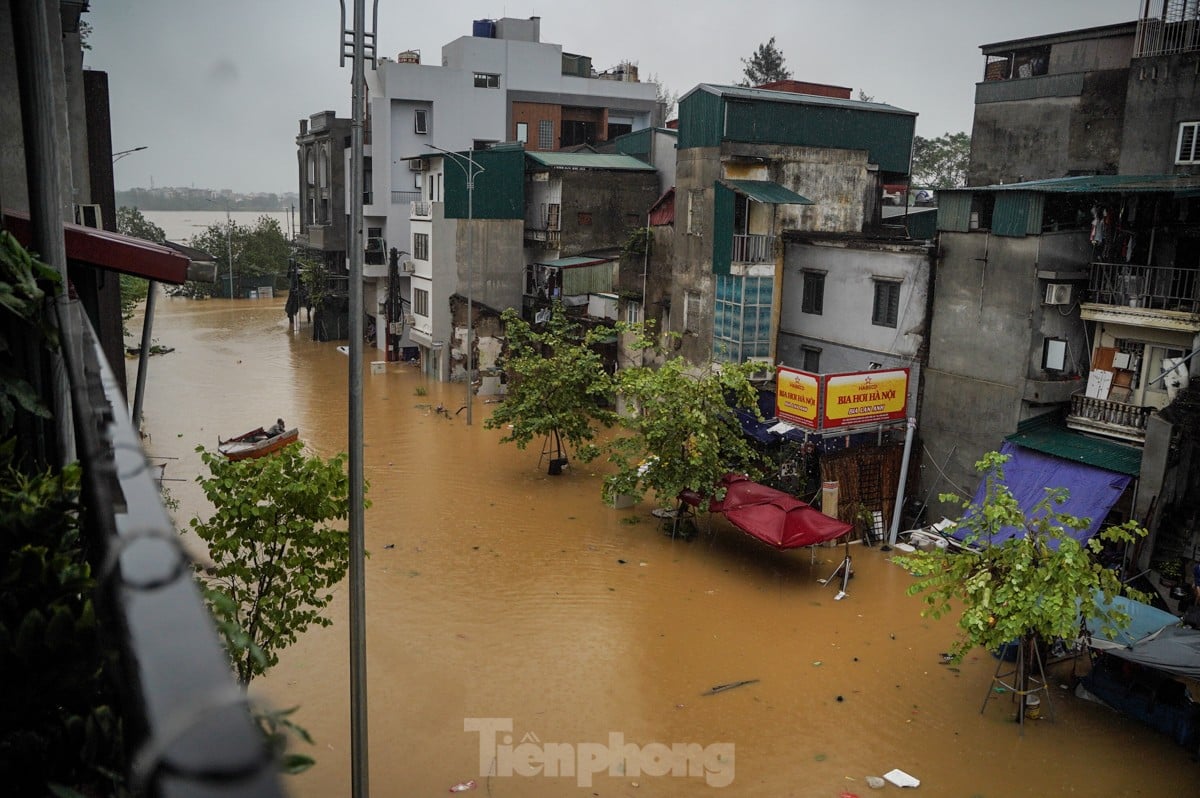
682 431
558 387
275 554
131 222
258 251
1034 586
765 65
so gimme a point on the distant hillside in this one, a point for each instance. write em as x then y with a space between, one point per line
192 199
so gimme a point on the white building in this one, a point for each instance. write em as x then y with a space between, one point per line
500 84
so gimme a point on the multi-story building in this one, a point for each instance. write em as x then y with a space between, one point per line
323 147
1071 302
501 84
753 163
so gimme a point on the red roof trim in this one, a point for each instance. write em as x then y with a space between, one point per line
113 251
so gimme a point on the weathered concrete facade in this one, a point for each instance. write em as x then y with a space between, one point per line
599 209
837 334
1163 91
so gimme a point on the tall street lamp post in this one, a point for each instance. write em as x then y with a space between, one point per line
470 169
228 243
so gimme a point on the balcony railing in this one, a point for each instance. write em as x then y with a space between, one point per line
753 248
1161 287
1107 417
401 197
1175 34
548 239
421 210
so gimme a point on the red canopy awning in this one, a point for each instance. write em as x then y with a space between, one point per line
774 517
111 251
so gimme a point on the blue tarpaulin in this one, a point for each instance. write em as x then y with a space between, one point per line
1091 491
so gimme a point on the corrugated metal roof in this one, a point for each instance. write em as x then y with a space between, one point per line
662 212
566 263
768 192
589 160
741 92
1042 434
1188 185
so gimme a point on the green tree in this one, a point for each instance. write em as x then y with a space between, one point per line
26 288
1034 586
260 253
275 555
764 66
941 162
131 222
557 384
683 432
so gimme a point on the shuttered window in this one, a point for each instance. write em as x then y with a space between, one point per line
886 311
1189 143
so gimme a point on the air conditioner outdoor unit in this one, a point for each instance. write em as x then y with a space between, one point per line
1058 294
417 164
408 267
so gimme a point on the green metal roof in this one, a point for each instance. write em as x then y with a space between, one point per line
1043 434
566 263
768 192
1180 186
589 160
744 93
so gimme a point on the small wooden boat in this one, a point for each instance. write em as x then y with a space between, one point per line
256 443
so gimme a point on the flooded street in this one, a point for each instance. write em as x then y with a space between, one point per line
496 591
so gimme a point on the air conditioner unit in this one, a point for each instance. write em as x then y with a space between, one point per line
410 320
763 369
1058 294
89 216
408 267
417 164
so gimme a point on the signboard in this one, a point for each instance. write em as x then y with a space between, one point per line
865 397
796 396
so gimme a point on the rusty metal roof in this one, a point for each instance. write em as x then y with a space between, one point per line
1179 185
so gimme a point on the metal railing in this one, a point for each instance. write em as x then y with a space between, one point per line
190 731
1176 30
421 210
753 248
401 197
1160 287
1105 415
550 239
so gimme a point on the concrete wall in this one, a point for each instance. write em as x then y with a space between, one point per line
600 208
491 255
697 169
1162 92
1037 136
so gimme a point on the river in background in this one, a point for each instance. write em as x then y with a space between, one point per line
496 591
180 226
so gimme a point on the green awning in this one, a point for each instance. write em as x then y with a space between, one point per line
768 192
1043 434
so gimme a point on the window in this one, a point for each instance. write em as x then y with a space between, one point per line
1188 150
486 80
546 134
633 312
691 310
421 246
420 121
810 357
813 298
551 214
420 302
887 303
523 132
482 144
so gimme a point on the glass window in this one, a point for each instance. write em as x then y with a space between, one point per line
420 121
522 132
420 302
486 80
421 246
886 310
546 134
1188 150
813 298
810 357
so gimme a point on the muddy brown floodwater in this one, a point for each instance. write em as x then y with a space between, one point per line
497 592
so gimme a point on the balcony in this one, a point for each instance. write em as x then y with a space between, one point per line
421 210
1109 418
401 197
1177 31
1162 297
543 239
753 249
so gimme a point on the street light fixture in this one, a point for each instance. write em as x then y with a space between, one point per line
470 169
116 156
228 242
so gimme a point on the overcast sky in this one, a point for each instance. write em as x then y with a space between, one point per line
215 89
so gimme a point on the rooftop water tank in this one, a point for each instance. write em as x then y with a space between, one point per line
484 29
